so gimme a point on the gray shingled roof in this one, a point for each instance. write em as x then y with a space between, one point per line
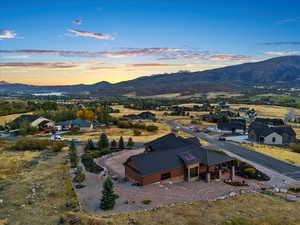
172 156
263 130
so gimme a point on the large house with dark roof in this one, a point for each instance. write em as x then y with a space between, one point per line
173 158
234 126
270 134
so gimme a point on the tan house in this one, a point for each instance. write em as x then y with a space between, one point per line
34 121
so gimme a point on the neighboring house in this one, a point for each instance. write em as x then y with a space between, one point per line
147 115
206 107
243 109
234 126
214 118
269 121
33 120
172 158
141 116
77 124
250 114
271 135
223 106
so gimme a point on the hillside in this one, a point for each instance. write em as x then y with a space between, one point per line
280 71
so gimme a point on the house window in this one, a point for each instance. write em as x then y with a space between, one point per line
273 139
165 176
194 172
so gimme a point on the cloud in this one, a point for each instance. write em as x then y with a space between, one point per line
38 65
126 53
15 57
225 57
280 53
154 65
104 68
92 35
7 34
206 56
282 43
295 19
77 22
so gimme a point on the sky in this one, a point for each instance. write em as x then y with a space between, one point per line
59 42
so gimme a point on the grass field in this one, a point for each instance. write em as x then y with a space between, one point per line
277 152
249 209
268 110
115 133
126 111
35 195
9 118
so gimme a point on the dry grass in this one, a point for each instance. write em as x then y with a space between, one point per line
115 133
256 209
14 163
268 110
44 205
9 118
126 111
217 94
281 153
297 130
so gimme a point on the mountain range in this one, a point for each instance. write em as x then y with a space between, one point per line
279 71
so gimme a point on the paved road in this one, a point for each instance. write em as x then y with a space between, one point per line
279 166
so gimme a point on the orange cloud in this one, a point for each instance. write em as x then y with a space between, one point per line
38 65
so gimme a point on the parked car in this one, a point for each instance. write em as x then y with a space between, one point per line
222 139
75 140
56 138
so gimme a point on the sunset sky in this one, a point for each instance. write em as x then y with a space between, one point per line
55 42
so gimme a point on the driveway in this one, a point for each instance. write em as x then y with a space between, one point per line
272 164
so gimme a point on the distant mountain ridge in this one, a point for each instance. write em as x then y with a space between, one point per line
283 70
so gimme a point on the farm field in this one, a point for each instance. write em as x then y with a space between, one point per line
277 152
245 209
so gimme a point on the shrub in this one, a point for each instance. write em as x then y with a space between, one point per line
250 172
57 146
146 202
79 178
294 189
296 148
152 128
136 132
29 144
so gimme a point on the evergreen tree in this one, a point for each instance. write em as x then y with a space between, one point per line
103 142
113 144
73 155
108 199
90 145
130 143
121 143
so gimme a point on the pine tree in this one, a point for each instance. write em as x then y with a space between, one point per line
130 143
113 144
103 142
73 155
90 145
108 199
121 143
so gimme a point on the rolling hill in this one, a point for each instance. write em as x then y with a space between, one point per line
279 71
